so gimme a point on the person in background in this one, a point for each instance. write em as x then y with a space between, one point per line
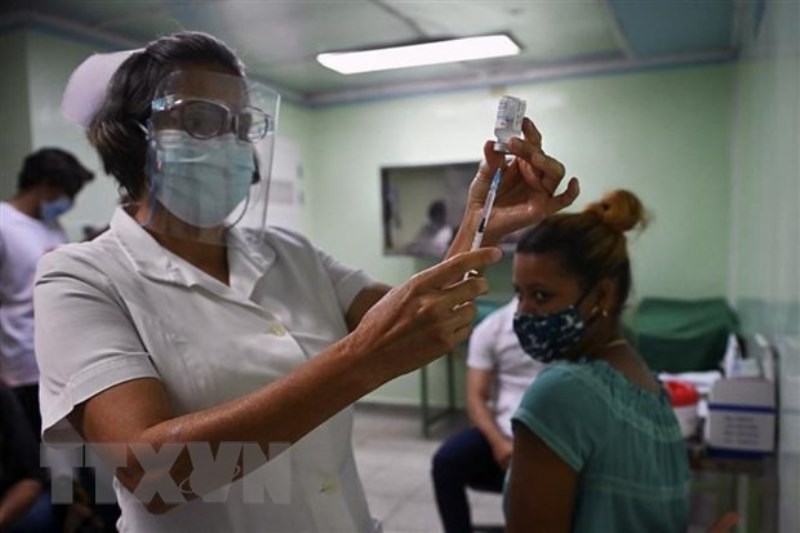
48 183
498 373
210 334
433 238
597 446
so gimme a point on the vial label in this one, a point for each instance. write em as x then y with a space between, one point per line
508 124
510 113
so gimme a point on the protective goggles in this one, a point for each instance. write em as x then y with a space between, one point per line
206 118
208 104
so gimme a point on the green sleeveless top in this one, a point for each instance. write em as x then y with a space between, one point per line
623 441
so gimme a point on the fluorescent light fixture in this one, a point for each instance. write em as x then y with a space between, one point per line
417 55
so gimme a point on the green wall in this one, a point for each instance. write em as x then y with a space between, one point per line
765 230
711 150
51 59
14 109
663 134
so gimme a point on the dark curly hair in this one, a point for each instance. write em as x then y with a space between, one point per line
116 130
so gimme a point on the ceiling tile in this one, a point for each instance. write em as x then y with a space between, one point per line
279 39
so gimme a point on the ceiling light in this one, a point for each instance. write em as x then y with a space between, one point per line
417 55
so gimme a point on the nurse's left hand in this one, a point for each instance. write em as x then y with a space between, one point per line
527 192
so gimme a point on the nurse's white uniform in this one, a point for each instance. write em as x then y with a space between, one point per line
122 307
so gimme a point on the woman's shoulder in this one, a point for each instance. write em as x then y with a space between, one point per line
593 382
285 235
275 237
565 412
91 255
567 374
94 263
624 401
569 385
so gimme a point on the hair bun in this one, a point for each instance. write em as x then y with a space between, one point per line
621 210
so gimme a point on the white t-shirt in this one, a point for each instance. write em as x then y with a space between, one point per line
432 240
122 307
494 346
23 241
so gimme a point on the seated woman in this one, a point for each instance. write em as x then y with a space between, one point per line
596 444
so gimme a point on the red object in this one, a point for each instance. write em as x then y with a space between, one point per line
681 394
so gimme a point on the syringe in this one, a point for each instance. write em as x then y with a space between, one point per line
487 210
508 124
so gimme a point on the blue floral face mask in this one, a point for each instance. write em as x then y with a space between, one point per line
548 338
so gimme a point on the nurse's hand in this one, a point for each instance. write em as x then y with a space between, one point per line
527 189
425 317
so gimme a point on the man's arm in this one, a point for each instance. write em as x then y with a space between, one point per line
479 389
22 461
17 501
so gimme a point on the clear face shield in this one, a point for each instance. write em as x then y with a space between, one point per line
209 157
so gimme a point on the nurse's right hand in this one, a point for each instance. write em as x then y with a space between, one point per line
426 316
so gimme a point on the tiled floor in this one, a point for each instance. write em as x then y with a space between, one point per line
394 463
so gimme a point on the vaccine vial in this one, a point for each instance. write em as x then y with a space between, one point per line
508 124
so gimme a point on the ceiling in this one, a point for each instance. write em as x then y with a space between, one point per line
279 39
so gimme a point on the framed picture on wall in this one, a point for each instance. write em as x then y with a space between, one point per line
423 206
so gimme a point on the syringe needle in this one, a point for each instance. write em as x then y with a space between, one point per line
487 210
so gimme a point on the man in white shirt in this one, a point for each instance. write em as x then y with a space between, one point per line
433 239
498 373
48 183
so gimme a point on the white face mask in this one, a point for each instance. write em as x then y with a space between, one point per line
201 181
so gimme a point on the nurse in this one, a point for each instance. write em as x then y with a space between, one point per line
212 362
